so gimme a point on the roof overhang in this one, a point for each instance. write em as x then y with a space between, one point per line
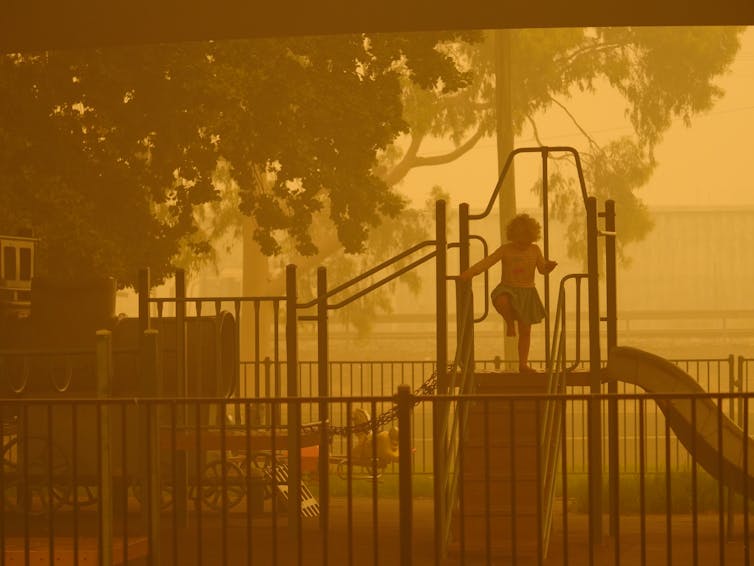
27 25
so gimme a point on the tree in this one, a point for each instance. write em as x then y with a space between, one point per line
108 154
661 74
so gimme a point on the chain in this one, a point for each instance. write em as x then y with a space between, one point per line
427 388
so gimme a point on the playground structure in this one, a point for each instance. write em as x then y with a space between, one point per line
193 365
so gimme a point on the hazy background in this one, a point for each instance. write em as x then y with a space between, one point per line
706 164
698 258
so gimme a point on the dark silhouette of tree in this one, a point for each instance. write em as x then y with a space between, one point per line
109 154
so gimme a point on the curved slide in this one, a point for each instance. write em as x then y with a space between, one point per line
657 375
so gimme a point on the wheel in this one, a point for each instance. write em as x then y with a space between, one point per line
166 494
212 484
28 466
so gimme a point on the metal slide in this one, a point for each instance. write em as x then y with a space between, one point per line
701 433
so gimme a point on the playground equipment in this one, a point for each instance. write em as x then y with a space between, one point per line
368 451
371 442
714 441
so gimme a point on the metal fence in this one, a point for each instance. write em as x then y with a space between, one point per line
116 480
369 378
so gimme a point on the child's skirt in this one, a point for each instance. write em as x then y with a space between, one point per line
524 300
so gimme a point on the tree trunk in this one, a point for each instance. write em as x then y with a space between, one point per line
255 282
504 123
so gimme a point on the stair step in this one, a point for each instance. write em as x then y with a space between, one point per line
499 424
502 441
476 475
477 457
526 552
498 381
526 504
501 529
475 494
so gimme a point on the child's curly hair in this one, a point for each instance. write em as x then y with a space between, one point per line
523 228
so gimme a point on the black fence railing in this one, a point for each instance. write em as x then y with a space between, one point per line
370 378
117 480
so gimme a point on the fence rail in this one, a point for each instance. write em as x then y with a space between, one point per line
369 378
110 480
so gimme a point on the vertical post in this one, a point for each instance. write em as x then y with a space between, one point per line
404 400
294 415
546 246
180 338
464 320
144 286
441 274
611 307
439 414
104 382
323 365
594 408
151 388
732 407
180 489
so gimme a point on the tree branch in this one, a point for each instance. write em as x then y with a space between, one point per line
591 49
562 106
412 161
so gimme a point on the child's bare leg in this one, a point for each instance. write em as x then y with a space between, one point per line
502 304
524 342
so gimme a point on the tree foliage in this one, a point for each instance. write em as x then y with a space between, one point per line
108 153
660 74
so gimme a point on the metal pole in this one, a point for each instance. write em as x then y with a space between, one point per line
323 364
464 321
294 415
404 400
143 288
151 387
439 412
104 391
180 490
594 410
611 306
546 245
180 337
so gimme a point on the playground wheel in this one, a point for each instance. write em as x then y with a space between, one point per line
84 495
37 477
260 466
166 494
212 484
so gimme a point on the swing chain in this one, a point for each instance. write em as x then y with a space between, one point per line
427 388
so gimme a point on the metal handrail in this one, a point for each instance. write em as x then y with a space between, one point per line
455 418
552 422
509 162
376 269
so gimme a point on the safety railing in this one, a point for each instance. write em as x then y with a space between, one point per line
112 480
554 411
453 420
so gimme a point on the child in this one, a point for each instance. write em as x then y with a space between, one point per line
516 297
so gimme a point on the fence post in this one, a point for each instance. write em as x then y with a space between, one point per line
611 308
294 415
404 400
151 388
594 407
144 286
732 389
324 416
546 245
439 417
104 391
